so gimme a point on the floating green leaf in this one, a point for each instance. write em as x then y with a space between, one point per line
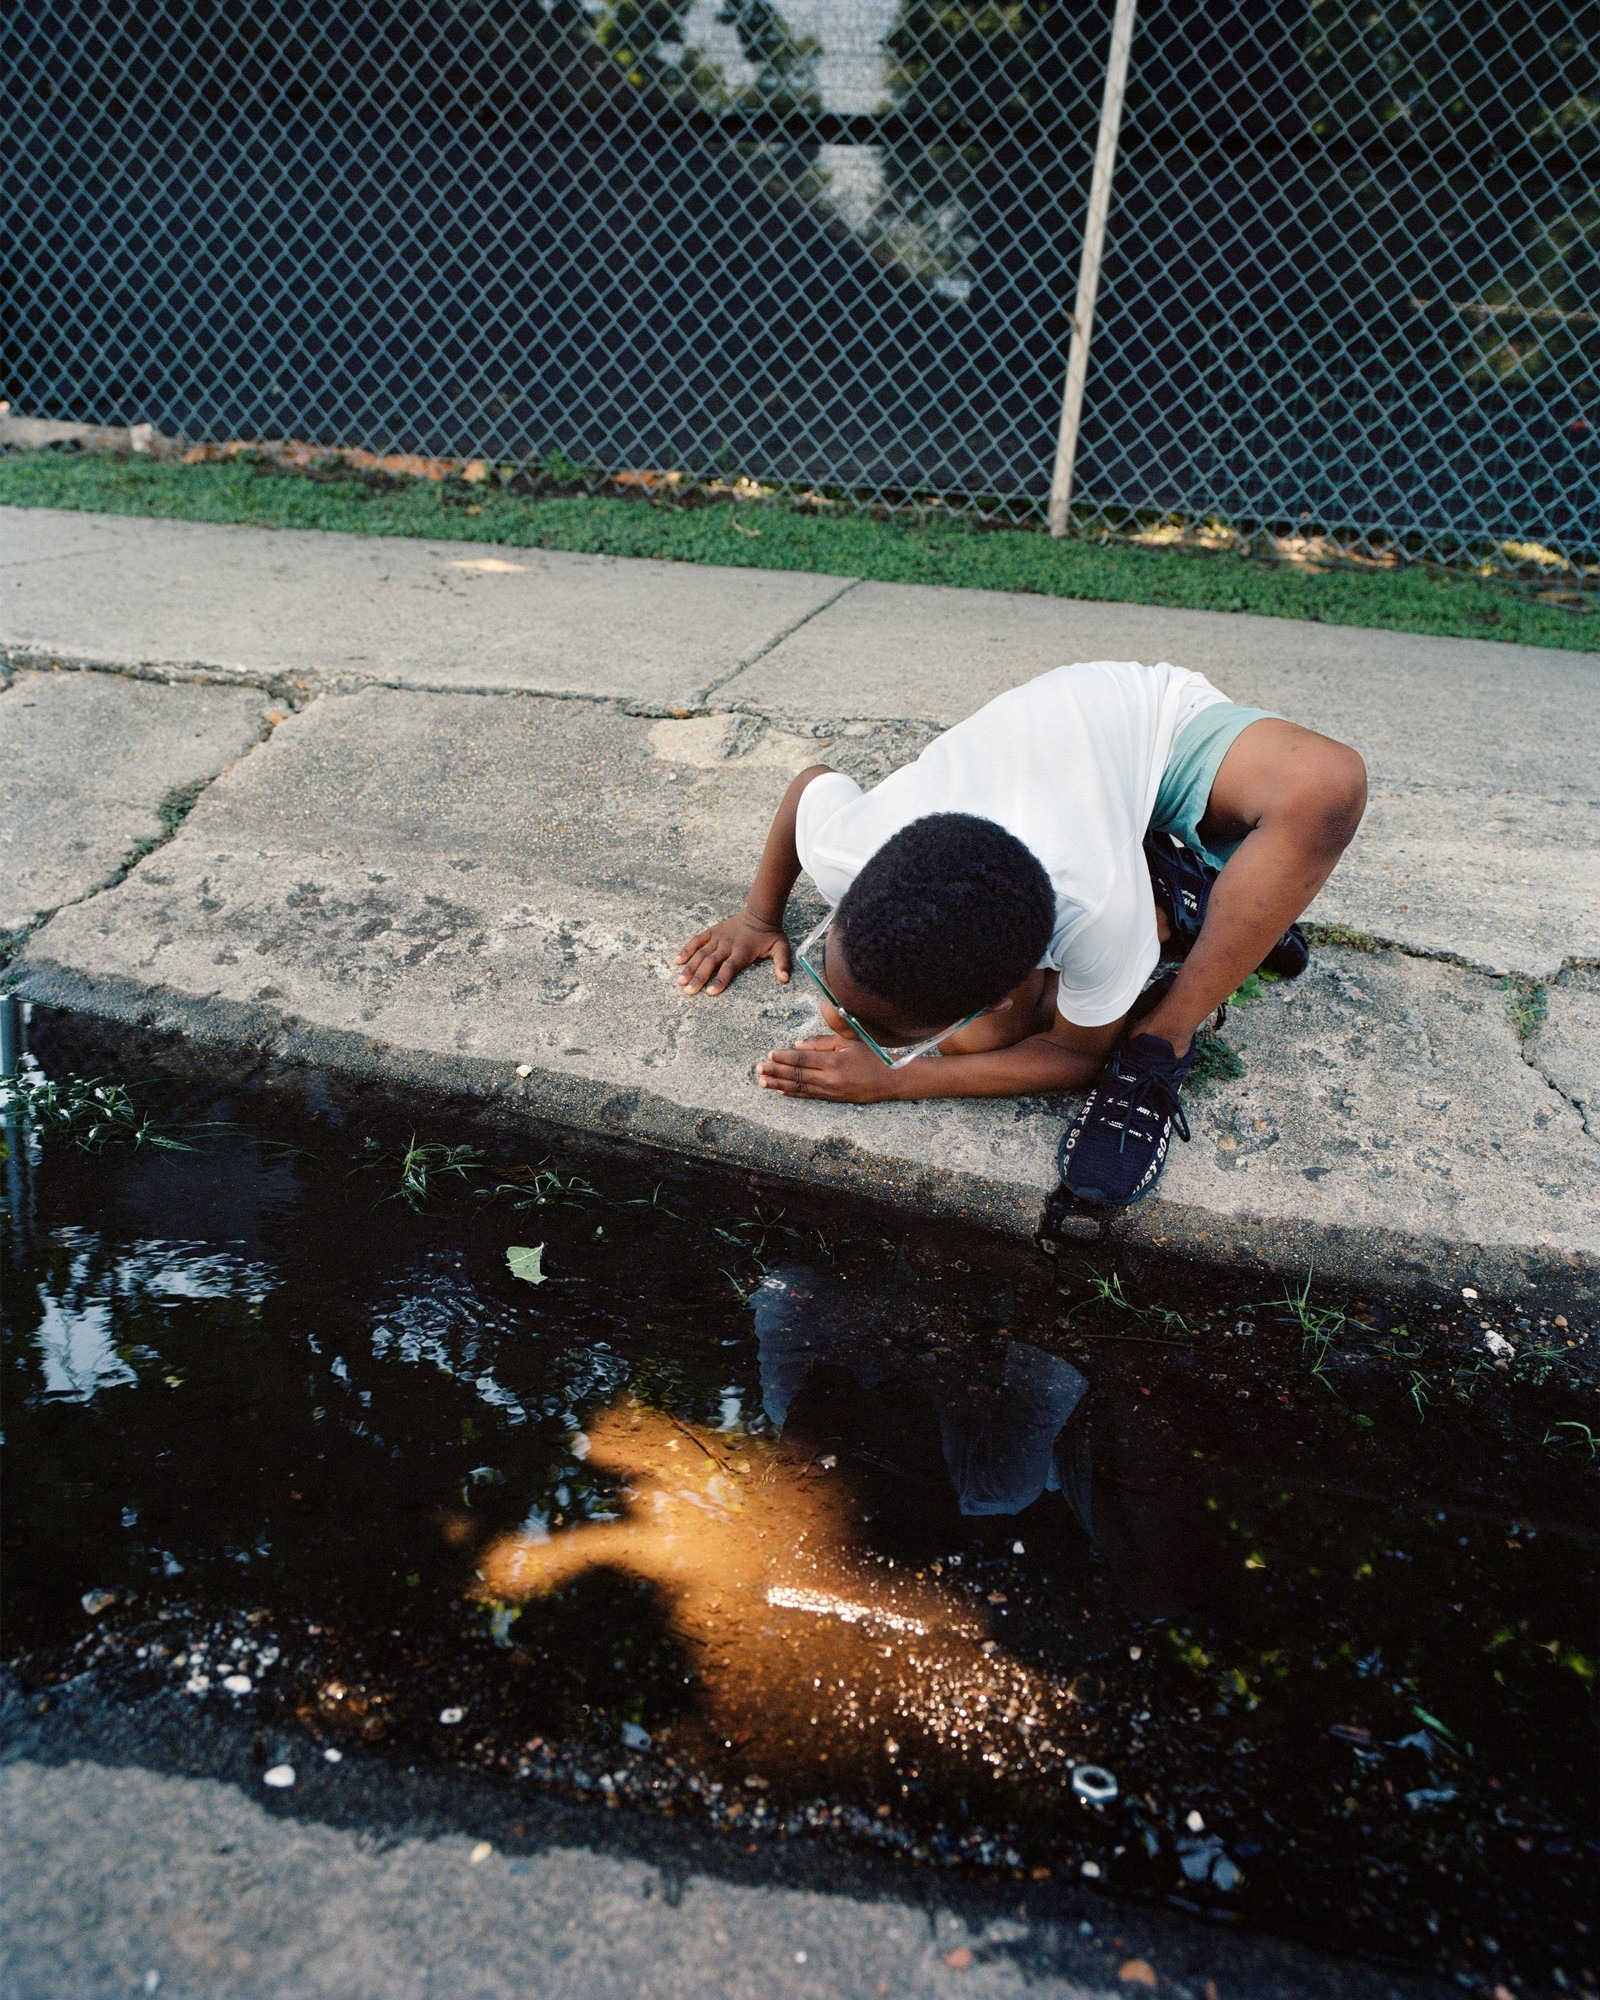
527 1263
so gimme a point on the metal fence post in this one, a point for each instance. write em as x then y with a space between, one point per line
1094 238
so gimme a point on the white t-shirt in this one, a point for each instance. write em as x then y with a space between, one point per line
1070 764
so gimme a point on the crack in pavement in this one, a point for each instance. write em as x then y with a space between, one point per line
772 644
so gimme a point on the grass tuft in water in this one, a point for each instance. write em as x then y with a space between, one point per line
419 1169
89 1111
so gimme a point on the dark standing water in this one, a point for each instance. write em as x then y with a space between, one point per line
760 1509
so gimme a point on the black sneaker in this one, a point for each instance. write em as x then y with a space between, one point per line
1182 883
1290 956
1115 1149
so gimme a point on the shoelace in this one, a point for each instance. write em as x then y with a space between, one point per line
1147 1092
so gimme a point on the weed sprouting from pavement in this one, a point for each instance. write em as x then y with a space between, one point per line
173 809
1215 1061
177 805
1342 934
1527 1004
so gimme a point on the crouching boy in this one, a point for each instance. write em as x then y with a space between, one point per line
1004 901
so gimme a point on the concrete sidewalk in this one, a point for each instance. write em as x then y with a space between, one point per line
501 786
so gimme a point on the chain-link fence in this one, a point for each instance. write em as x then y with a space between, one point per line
1351 281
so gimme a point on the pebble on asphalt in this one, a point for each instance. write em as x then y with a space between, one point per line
480 1853
280 1777
237 1683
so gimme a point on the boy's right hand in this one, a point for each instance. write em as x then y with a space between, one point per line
714 958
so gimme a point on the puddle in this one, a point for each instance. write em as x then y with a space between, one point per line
758 1510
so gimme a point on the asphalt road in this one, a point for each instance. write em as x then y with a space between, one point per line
142 1853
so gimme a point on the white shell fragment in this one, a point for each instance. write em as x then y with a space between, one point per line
237 1683
280 1777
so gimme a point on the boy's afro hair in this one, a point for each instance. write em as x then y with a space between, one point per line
947 916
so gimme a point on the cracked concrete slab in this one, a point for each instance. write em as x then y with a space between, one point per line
1498 880
297 606
449 889
85 762
1565 1048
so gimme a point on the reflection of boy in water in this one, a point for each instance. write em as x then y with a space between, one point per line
1008 1432
998 1436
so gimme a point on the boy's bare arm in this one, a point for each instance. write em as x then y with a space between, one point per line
842 1070
714 958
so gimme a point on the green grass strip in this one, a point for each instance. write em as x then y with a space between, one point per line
776 537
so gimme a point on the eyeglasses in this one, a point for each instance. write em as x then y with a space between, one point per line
894 1062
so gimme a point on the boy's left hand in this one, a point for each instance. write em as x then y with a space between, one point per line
837 1068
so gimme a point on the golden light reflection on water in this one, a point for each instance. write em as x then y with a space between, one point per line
810 1650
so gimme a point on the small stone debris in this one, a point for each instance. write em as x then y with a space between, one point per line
1136 1652
635 1738
451 1716
1017 1549
238 1683
1091 1869
1137 1972
333 1756
480 1853
524 1069
280 1777
800 1958
959 1959
96 1601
